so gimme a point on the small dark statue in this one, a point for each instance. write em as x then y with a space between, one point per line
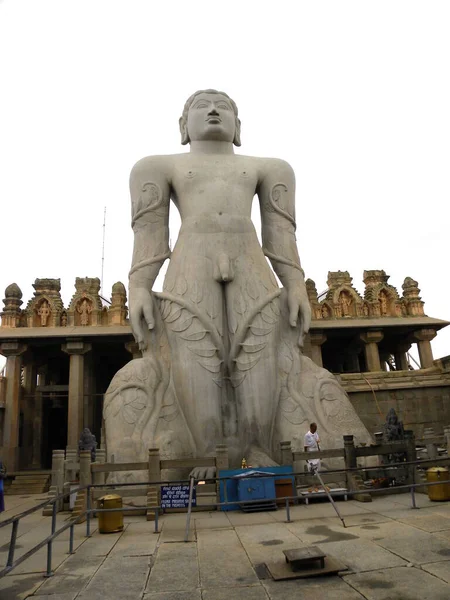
393 431
393 428
88 442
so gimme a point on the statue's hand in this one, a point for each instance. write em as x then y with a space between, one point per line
141 314
298 305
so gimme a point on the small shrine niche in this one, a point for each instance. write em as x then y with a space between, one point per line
85 308
345 304
83 312
46 307
381 297
341 300
43 311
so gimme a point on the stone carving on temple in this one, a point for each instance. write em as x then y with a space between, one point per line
341 299
381 297
412 301
11 313
45 308
64 319
43 311
117 311
85 307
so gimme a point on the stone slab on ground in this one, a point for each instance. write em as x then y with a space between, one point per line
402 582
99 544
143 544
321 531
73 575
223 561
265 543
66 596
253 592
439 569
122 577
428 522
362 555
192 595
175 569
418 547
19 587
326 588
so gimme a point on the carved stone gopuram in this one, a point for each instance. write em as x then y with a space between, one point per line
222 342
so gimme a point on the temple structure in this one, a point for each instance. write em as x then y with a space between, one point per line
60 360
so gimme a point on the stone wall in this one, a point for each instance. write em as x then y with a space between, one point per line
417 408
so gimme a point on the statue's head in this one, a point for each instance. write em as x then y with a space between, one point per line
210 115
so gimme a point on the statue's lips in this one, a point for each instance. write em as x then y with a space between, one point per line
214 120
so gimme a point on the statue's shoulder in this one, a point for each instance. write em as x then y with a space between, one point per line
161 164
275 165
271 167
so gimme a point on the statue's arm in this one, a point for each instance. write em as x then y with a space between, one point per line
150 198
276 193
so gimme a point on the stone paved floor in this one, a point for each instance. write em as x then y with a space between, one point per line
392 553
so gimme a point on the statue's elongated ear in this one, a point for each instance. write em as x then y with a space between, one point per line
237 133
184 131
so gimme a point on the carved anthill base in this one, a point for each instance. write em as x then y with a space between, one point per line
142 409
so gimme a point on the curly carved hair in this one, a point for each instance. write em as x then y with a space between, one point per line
183 119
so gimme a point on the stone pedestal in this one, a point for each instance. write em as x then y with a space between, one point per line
371 340
13 352
76 349
317 339
424 337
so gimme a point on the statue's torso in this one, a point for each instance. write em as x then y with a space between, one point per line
214 185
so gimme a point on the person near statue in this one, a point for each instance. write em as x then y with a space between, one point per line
311 444
221 344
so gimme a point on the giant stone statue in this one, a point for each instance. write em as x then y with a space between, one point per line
221 343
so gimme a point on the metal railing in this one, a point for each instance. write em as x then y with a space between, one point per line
158 509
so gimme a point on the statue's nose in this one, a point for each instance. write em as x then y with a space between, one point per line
213 110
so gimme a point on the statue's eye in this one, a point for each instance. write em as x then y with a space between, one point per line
223 106
202 105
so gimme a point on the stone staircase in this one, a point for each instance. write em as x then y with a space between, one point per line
29 482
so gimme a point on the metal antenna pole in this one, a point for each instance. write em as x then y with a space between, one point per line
103 251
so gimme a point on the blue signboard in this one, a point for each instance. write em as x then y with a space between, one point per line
176 496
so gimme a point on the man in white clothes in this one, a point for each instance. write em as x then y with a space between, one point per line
311 444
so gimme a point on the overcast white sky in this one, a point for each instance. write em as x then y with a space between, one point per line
355 95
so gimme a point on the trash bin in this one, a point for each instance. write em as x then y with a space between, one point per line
110 522
438 492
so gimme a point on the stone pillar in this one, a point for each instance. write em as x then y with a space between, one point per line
317 339
13 352
352 362
447 437
424 337
29 400
154 474
76 349
58 474
133 349
411 455
85 467
37 431
432 452
71 465
286 453
349 450
401 357
371 340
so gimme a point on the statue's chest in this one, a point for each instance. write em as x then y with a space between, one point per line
211 175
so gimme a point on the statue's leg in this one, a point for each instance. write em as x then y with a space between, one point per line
253 317
192 311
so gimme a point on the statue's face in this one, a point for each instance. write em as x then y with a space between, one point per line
211 117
